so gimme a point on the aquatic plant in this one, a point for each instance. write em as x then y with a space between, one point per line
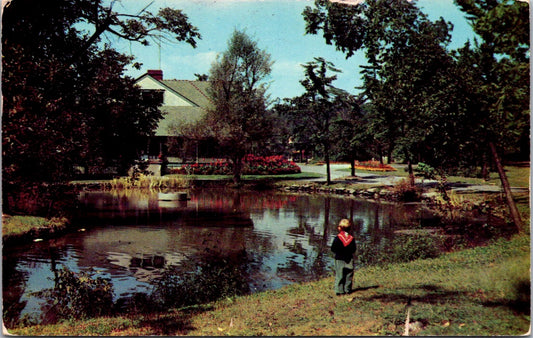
150 182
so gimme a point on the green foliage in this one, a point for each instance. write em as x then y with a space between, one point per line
30 225
315 116
411 247
67 102
79 295
238 119
497 70
426 171
424 101
216 278
403 248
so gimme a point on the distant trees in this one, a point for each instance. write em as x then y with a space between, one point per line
66 100
239 119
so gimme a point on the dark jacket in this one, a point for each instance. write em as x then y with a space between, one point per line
343 252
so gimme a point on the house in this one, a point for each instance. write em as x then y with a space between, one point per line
184 101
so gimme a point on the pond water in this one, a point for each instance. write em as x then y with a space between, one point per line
133 238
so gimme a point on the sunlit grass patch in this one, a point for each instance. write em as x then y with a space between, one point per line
20 225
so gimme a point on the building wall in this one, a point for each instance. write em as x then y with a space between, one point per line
169 98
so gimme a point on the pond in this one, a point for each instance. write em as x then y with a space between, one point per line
134 239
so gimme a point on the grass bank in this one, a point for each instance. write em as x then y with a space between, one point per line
17 229
479 291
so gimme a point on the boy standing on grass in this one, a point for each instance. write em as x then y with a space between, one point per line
343 247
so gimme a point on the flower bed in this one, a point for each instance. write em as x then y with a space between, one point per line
373 166
252 165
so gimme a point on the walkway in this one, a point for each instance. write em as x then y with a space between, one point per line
339 171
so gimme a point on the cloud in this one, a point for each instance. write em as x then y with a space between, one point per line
287 69
204 59
233 1
348 2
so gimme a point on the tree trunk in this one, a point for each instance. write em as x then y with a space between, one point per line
411 173
237 168
485 172
515 215
352 164
328 170
389 153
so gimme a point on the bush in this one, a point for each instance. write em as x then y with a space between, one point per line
426 171
79 295
404 191
216 278
404 248
412 247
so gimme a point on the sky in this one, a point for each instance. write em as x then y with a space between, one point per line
278 28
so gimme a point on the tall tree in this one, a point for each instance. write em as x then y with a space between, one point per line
317 109
499 68
238 119
353 139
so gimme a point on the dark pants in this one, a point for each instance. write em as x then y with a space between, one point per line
343 276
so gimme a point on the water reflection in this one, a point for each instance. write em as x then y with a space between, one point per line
135 239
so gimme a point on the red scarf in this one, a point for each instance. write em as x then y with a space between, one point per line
345 238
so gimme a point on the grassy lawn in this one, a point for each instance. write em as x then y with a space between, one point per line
299 176
15 226
479 291
518 176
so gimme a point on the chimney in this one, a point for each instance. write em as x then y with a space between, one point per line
156 74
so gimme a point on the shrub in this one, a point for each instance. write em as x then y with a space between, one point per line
403 248
426 171
205 281
404 191
79 295
411 247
